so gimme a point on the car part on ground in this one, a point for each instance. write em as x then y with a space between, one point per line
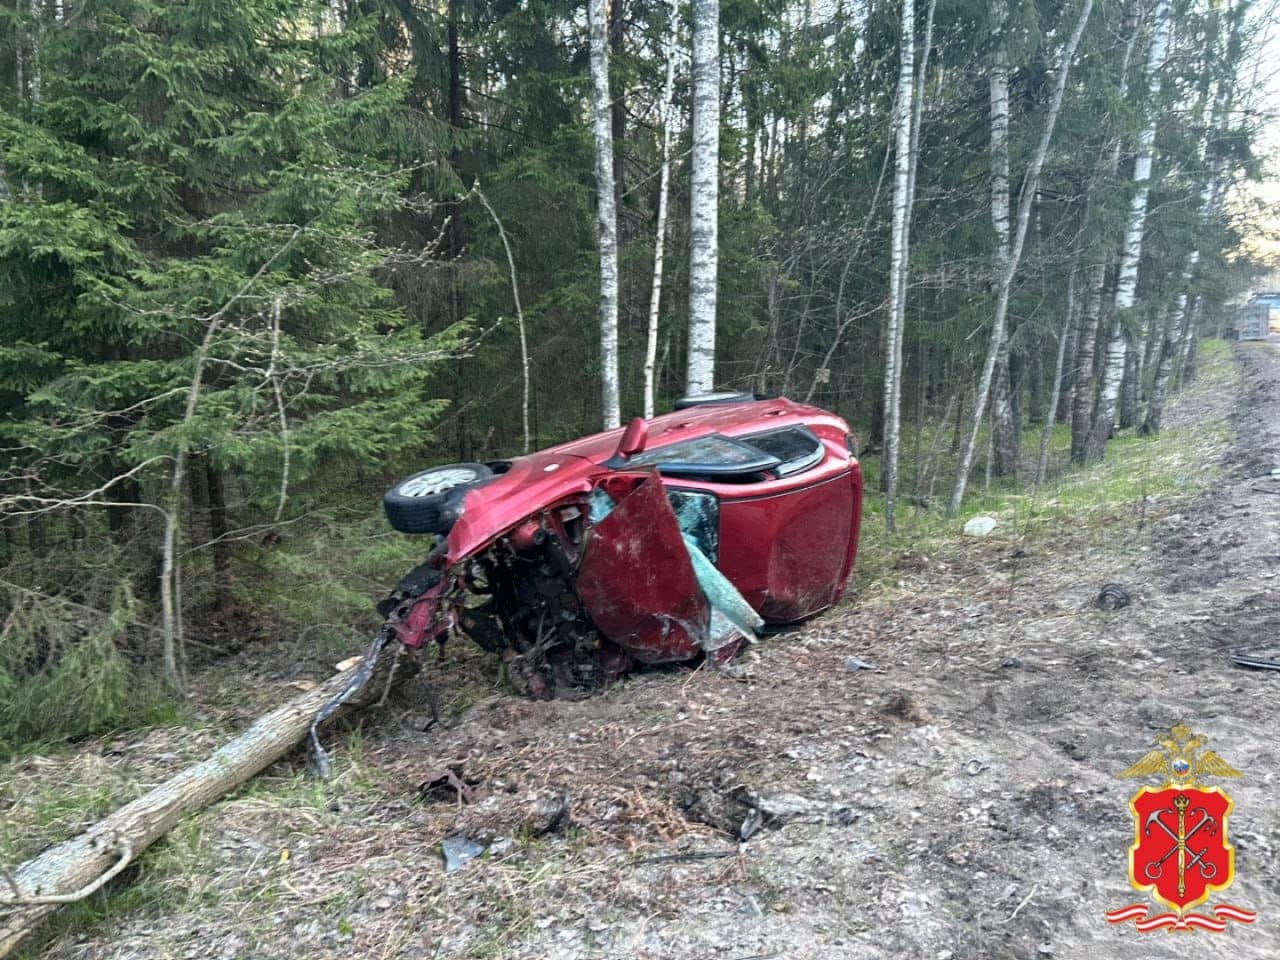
1254 662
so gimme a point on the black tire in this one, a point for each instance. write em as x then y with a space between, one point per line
431 501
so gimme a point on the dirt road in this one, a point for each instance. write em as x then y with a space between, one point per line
959 800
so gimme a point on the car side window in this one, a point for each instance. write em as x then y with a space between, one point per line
796 448
711 456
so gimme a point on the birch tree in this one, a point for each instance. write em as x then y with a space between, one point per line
606 210
1085 387
898 262
1131 252
704 197
1030 186
1064 338
1004 435
664 189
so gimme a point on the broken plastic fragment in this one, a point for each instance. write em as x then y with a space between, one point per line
458 851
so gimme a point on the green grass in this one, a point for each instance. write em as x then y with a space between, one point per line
1138 473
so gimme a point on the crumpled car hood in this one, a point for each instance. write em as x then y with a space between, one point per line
532 484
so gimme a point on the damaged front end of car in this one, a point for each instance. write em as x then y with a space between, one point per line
579 592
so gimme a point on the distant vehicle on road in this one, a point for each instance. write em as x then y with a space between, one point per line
1253 320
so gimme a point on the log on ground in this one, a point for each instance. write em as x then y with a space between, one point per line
70 870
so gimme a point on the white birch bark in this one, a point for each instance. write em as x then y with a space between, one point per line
1131 252
606 210
71 870
664 189
1003 441
898 264
1084 386
1030 186
704 197
1211 202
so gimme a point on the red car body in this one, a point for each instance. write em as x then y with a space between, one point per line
777 501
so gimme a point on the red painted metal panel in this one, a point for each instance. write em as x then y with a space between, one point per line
636 579
789 554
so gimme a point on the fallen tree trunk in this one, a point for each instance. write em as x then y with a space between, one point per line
72 870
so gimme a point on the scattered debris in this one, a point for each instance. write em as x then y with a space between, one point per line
980 526
1010 663
1254 663
448 783
751 825
742 812
1113 596
459 851
853 663
973 767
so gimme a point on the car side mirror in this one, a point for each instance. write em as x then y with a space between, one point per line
633 438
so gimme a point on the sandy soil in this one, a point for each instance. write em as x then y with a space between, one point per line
959 800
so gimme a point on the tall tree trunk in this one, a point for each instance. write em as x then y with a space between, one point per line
219 546
1064 337
1005 438
1131 253
35 71
618 103
704 191
898 265
1127 412
664 191
1086 389
1085 382
1030 186
520 324
606 212
1173 332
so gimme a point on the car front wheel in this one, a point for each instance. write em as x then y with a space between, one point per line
431 501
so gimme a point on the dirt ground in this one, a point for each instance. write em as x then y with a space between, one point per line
957 800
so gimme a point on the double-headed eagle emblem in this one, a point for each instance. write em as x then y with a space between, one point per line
1180 761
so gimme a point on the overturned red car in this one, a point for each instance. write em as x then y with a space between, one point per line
667 540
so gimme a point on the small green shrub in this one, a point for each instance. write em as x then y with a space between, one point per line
64 674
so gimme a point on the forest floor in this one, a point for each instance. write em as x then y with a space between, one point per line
958 799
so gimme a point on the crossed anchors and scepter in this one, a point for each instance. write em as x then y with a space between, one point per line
1152 871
